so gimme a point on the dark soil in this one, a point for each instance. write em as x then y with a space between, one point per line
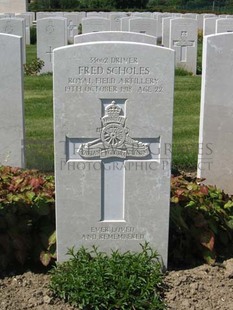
201 288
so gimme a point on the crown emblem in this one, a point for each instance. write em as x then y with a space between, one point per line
112 115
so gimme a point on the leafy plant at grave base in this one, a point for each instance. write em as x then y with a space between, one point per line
201 222
182 72
27 217
94 280
34 67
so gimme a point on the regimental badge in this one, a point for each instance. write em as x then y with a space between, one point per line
114 140
50 27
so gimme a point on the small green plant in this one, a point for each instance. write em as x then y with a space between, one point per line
201 222
34 67
94 280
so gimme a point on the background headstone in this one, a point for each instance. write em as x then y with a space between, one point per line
73 22
209 26
166 31
11 98
215 162
183 39
51 33
95 24
40 15
224 25
124 23
115 36
159 19
28 23
113 192
15 26
143 25
115 19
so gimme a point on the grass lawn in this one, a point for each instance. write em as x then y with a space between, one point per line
39 120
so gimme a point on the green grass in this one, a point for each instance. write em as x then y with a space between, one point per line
39 120
31 53
186 122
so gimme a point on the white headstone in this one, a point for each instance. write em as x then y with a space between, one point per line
143 14
28 24
200 22
190 15
12 104
176 15
40 15
12 6
93 14
125 23
159 19
183 39
51 33
95 24
115 19
143 25
224 25
115 36
113 105
209 26
15 26
73 22
166 31
208 15
215 162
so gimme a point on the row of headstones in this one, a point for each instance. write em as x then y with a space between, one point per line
179 34
51 33
113 112
10 28
215 24
102 21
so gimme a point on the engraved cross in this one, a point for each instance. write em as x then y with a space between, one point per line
114 148
50 52
183 43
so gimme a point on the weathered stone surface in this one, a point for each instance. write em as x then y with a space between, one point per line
113 129
11 98
215 162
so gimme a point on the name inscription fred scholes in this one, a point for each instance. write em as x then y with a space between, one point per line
113 233
113 75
